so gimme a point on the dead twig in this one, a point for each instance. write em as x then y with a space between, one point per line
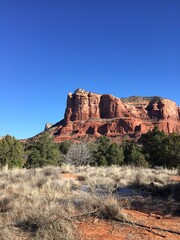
84 214
70 218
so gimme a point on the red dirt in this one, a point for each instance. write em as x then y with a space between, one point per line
99 229
175 178
69 176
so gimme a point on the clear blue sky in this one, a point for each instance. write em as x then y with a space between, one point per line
51 47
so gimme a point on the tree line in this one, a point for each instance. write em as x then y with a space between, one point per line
155 148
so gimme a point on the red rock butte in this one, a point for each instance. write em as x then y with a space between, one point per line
90 114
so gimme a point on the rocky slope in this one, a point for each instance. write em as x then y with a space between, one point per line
90 114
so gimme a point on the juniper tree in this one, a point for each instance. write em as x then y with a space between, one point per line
11 152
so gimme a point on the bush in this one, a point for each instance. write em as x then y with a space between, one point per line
115 154
161 149
100 151
40 226
42 152
105 153
134 155
64 147
110 209
78 155
11 152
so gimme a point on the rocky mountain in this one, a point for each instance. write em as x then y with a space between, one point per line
91 114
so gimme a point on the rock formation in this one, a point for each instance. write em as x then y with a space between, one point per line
94 114
47 126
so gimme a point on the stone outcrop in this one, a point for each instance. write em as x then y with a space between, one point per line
47 126
91 114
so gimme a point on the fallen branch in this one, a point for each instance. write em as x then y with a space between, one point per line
84 214
148 227
158 234
70 218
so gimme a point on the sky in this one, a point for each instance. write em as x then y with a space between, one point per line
49 48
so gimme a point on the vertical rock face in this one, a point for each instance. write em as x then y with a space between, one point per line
111 107
94 114
83 105
93 105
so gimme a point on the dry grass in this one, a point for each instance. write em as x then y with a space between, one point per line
41 203
123 176
31 206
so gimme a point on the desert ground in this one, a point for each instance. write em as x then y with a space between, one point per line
90 203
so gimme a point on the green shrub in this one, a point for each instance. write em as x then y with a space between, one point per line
42 152
64 147
11 152
161 149
115 154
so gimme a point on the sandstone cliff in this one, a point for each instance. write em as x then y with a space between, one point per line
94 114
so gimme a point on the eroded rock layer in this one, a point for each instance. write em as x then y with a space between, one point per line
94 114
